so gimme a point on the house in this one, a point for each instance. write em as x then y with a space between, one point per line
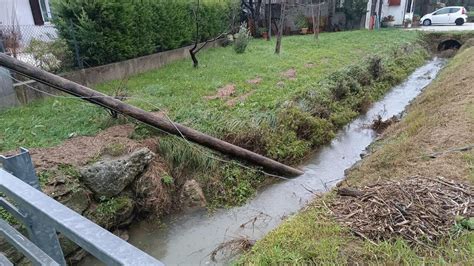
25 12
399 9
329 11
22 21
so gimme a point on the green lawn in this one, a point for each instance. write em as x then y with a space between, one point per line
179 89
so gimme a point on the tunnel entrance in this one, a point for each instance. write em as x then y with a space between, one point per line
449 45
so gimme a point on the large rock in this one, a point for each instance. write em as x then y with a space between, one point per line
192 196
109 178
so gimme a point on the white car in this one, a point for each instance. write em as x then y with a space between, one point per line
446 15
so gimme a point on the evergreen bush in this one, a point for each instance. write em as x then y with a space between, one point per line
107 31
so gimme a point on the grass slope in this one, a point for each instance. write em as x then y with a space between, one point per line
441 118
179 89
337 77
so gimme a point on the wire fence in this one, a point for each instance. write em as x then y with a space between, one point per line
39 46
17 38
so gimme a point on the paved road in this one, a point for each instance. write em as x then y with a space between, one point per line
465 27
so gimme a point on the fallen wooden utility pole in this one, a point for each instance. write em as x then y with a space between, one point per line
190 134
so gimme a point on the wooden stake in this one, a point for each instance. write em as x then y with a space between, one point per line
103 100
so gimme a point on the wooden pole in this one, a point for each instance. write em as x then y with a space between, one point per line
98 98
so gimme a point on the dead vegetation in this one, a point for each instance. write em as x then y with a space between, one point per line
152 195
419 209
232 248
242 98
379 125
289 74
223 93
255 81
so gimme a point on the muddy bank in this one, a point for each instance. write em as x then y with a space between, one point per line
368 227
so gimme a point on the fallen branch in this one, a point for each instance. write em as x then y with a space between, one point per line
461 149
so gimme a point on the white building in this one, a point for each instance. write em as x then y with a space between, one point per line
25 12
399 9
21 21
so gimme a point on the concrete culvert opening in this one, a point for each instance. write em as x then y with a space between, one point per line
449 45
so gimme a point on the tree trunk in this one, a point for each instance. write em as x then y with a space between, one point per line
269 20
194 58
193 51
314 20
318 19
280 31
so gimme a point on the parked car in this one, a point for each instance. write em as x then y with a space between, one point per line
446 15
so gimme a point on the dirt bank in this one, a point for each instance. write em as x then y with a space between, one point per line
427 152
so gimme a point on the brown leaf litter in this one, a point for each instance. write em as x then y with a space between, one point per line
242 98
289 74
223 93
419 209
255 81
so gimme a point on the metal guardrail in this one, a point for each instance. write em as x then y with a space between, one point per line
44 217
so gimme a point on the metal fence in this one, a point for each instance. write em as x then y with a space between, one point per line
16 39
43 217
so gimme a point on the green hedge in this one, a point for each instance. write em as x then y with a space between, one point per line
108 31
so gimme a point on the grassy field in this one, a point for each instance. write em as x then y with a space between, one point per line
179 89
441 118
295 103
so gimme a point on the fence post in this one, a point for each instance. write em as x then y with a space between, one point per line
79 62
8 97
43 235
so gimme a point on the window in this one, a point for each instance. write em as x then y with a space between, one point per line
44 4
409 6
36 12
454 10
442 11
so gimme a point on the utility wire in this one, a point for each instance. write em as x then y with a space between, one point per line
192 145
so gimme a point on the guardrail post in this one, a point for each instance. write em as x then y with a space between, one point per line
42 234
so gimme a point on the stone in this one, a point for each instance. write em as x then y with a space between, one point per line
192 196
110 177
78 200
112 213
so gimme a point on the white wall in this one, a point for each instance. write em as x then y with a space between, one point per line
15 12
396 11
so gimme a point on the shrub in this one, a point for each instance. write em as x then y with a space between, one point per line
316 130
53 56
375 66
113 30
242 39
360 74
341 84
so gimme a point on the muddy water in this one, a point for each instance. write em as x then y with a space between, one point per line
190 238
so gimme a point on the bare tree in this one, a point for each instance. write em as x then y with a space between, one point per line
196 47
254 7
316 19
